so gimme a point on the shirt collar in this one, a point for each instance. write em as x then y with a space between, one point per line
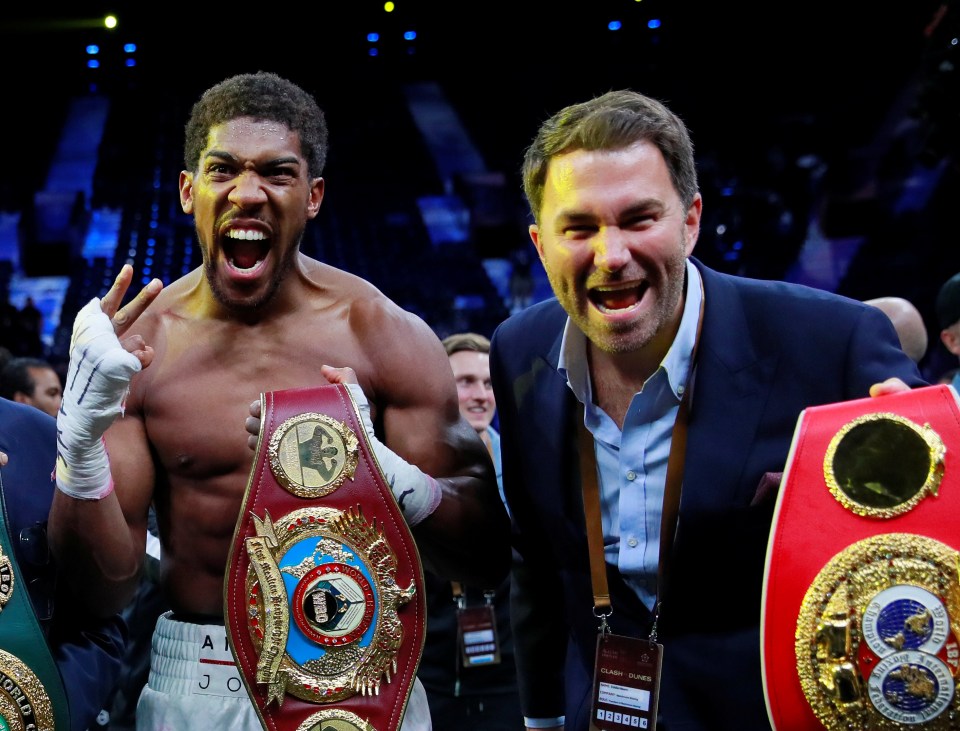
573 346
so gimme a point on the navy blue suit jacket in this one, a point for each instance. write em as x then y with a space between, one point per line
87 651
768 350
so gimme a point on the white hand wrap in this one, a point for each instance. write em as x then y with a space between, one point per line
417 494
98 378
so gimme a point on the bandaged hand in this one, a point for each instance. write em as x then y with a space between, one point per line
98 378
417 494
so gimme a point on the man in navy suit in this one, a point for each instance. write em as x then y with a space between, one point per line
86 651
636 327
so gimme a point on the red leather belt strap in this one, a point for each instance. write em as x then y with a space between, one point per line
324 598
861 603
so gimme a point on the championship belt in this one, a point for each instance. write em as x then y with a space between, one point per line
32 696
324 599
860 623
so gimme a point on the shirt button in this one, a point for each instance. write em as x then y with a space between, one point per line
632 543
631 475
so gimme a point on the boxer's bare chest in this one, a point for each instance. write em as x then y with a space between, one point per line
197 395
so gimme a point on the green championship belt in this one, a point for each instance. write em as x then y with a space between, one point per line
861 599
32 697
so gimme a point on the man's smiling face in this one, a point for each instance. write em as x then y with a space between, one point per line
471 371
613 237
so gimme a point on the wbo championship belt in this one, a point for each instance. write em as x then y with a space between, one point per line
324 600
860 625
32 696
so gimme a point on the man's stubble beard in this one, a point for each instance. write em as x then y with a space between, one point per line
286 266
627 339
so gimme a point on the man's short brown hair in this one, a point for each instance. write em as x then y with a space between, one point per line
466 341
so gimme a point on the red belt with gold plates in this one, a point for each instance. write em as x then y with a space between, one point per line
861 601
324 594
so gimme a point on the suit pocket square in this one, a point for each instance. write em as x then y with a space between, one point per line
767 489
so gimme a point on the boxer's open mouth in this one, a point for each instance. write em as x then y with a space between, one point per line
245 248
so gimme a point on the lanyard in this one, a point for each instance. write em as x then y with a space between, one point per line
671 501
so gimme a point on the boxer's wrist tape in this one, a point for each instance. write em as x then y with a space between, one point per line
84 473
417 494
98 378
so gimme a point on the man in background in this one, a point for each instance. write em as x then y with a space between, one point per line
471 691
86 651
948 318
907 321
469 355
32 381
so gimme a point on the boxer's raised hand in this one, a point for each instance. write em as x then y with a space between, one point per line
98 377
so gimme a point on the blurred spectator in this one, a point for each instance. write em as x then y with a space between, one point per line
908 322
32 381
84 649
948 318
469 355
9 319
469 689
521 279
946 378
30 329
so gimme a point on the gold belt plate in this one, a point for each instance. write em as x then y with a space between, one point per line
24 702
876 642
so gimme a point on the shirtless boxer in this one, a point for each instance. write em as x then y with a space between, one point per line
257 316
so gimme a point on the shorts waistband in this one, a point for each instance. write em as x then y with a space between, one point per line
189 658
202 619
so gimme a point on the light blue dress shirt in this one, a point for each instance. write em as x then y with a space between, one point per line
497 462
495 455
632 464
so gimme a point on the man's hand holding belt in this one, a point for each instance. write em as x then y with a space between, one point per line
417 493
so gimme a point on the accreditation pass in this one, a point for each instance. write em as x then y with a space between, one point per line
626 683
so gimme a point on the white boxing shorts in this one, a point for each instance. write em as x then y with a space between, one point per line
194 684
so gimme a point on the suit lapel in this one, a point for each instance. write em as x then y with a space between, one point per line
732 387
547 411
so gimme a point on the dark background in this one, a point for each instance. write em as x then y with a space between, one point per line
840 114
826 71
